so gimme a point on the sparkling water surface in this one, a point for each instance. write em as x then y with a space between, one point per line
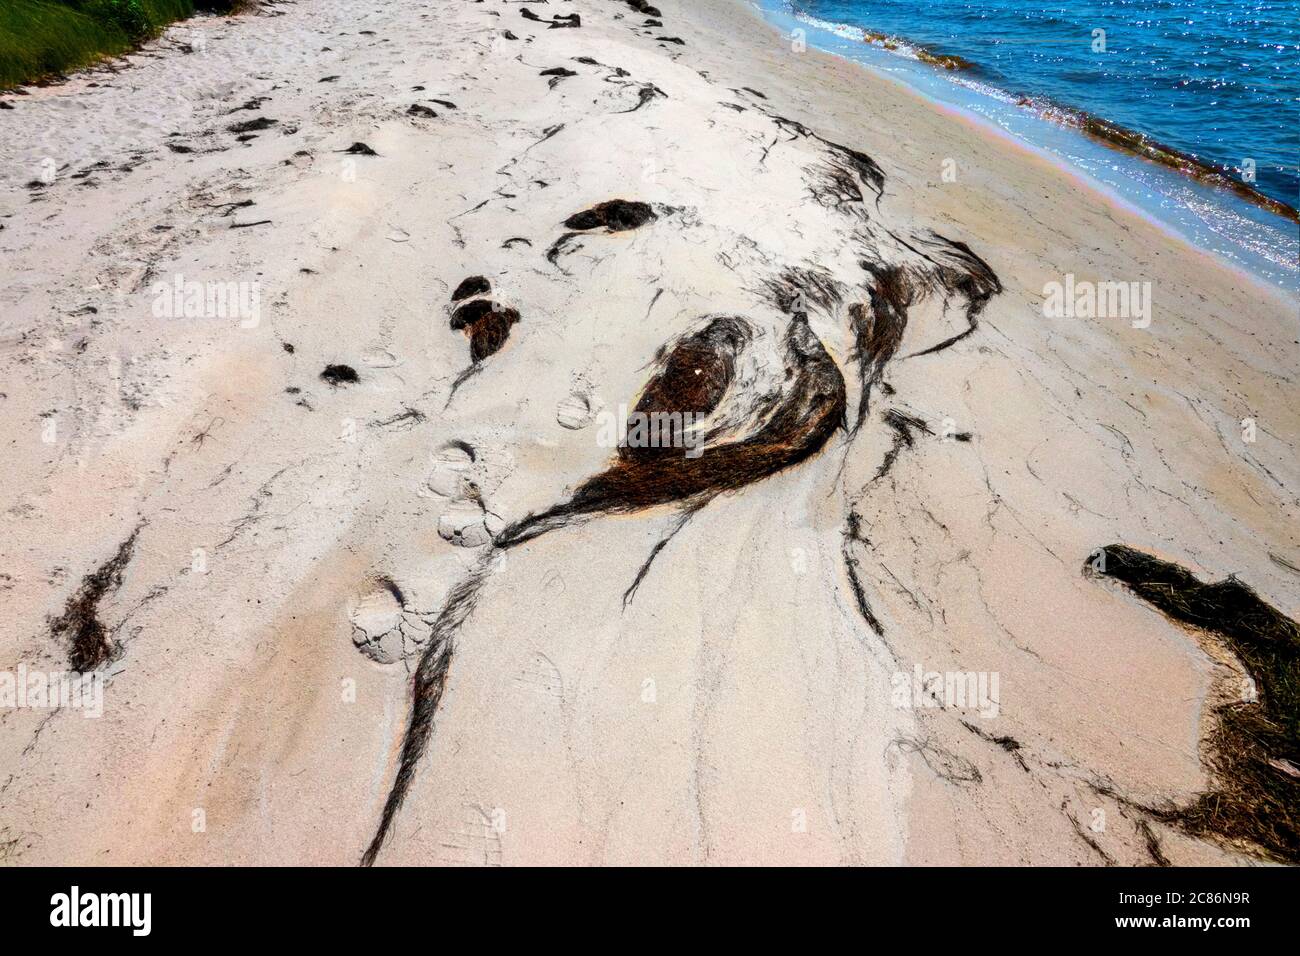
1216 79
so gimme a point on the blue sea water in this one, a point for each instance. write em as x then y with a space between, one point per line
1216 79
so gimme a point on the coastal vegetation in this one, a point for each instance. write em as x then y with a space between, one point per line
44 39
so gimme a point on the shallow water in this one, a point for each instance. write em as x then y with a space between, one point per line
1210 78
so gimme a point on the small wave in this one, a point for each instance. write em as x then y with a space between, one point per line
1098 128
887 41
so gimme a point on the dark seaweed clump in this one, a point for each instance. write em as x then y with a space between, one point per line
616 215
253 125
340 375
90 645
487 324
474 285
692 378
1254 749
640 6
1138 144
558 21
794 428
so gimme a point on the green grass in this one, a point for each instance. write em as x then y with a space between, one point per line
40 39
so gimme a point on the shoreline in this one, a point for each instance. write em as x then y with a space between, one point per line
1171 213
1130 141
1079 178
360 558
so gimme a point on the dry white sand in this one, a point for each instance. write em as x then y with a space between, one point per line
293 537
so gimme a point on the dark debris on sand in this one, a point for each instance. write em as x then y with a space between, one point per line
89 643
616 215
253 125
471 286
338 375
640 6
1254 747
486 323
557 73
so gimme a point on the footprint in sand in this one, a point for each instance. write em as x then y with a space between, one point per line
466 521
468 524
382 629
541 676
453 470
377 357
574 411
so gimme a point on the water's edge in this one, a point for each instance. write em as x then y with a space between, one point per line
1261 243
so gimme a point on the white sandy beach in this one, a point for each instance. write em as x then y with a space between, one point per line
294 540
